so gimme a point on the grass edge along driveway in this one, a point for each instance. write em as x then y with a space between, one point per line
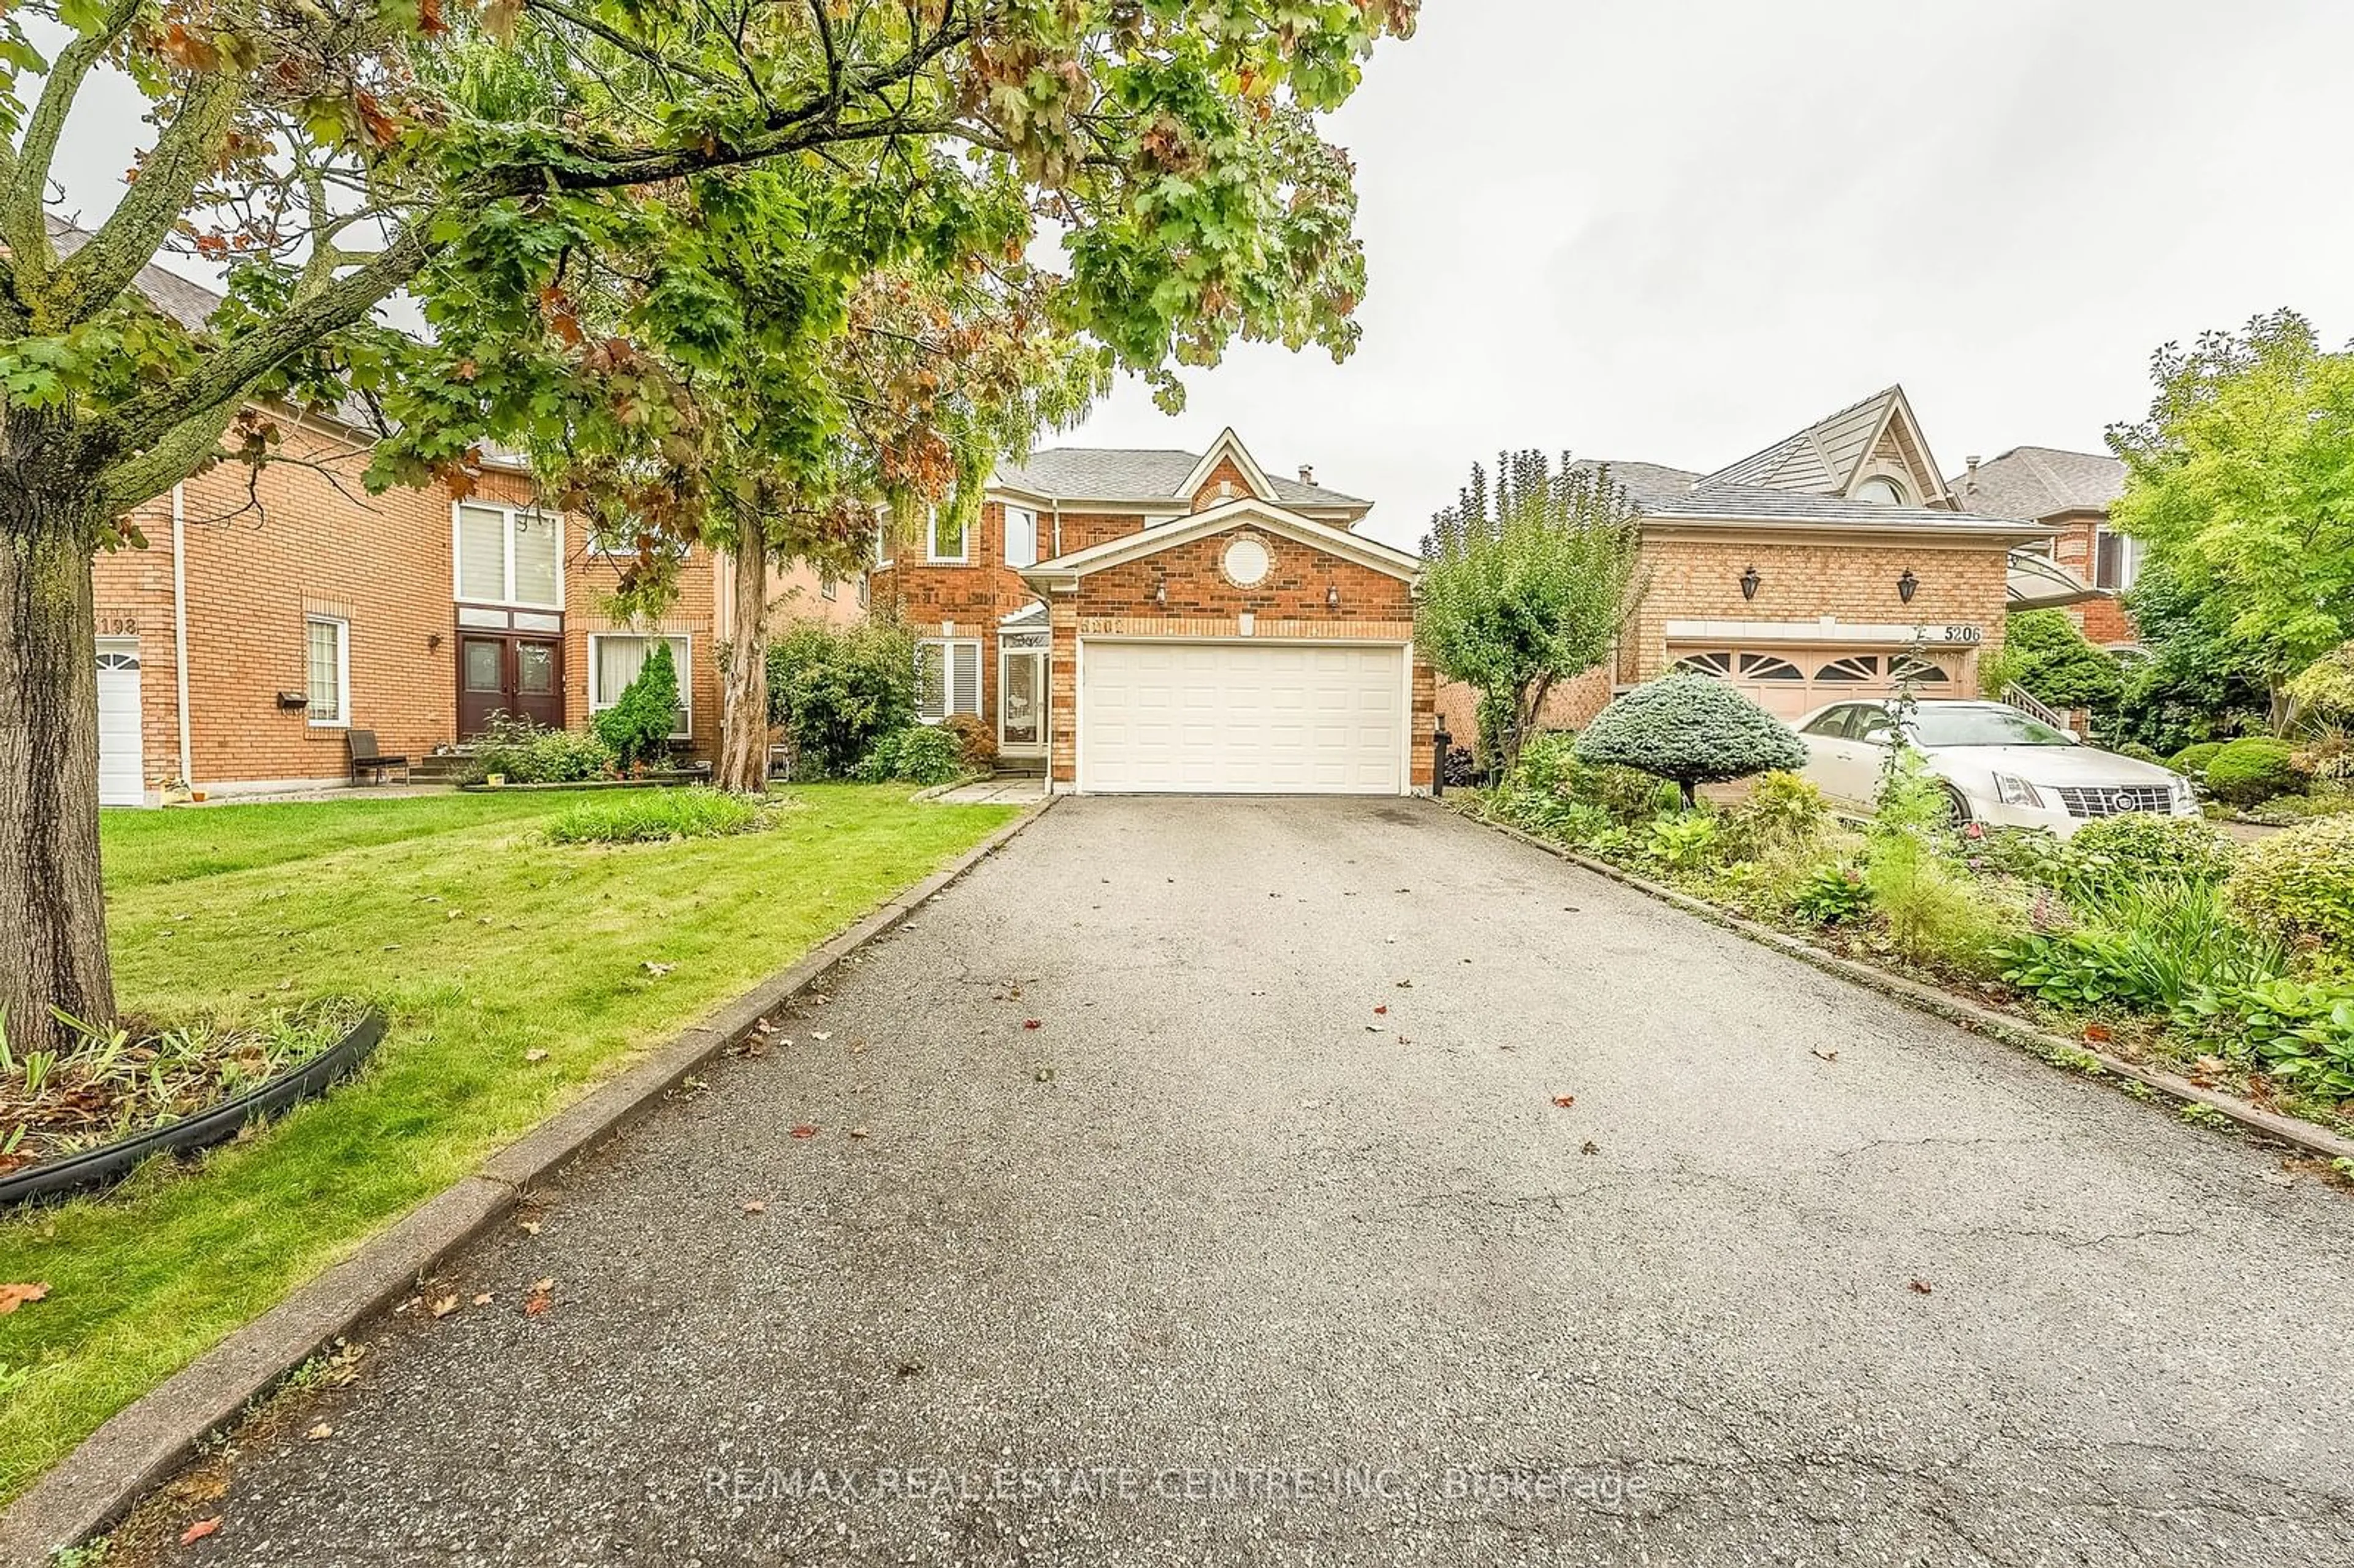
485 946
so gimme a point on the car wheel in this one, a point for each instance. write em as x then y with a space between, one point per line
1959 814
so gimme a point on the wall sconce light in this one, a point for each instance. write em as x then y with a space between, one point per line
1905 586
1160 590
1332 596
433 640
1749 581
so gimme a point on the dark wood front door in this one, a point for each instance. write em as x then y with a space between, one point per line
499 674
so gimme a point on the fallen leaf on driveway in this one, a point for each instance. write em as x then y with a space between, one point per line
804 1130
1564 1101
2096 1032
319 1433
529 1227
482 1298
1822 1055
754 1206
1589 1147
199 1530
15 1296
1033 1023
446 1305
1918 1286
821 1034
1406 985
1384 1008
538 1302
858 1132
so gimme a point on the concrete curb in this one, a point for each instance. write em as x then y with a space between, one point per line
143 1444
1970 1015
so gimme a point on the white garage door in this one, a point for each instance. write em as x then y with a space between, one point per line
121 771
1242 718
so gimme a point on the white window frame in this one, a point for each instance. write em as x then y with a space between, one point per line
829 587
342 719
1008 511
507 563
948 647
682 647
2129 557
932 557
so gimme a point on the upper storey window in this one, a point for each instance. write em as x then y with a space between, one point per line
1881 492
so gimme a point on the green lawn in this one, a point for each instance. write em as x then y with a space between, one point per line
481 941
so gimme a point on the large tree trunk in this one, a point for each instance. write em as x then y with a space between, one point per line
52 904
744 706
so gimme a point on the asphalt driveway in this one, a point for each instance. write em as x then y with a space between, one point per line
1270 1242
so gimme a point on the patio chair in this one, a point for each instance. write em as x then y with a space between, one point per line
367 760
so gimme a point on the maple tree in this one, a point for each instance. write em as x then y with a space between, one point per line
332 152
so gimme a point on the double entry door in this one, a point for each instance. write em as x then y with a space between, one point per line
513 673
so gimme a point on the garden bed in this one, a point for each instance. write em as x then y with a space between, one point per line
667 779
2147 942
89 1115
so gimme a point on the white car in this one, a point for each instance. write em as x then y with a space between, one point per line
2000 767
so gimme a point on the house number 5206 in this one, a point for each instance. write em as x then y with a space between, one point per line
1963 635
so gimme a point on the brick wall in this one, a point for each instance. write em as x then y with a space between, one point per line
1226 483
260 557
589 583
2102 620
305 538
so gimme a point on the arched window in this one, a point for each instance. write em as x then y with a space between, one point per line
1881 492
1862 667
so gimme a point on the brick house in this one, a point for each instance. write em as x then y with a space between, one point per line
273 612
1156 621
1833 563
2070 492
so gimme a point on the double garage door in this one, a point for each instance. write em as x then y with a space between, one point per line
1273 718
1789 681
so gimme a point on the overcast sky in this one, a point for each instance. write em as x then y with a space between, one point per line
1674 230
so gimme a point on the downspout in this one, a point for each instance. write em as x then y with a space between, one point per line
180 625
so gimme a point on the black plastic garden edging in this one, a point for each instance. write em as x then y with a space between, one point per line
94 1167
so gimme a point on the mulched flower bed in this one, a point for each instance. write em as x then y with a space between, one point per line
108 1084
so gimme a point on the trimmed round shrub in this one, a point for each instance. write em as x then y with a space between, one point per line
2141 847
2191 760
2251 770
2299 885
2138 751
1692 729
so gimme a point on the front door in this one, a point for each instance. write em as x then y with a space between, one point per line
1022 703
520 676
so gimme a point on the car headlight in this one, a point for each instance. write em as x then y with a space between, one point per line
2015 792
2185 797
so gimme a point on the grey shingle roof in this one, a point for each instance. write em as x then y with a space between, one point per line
1140 474
2041 481
1674 493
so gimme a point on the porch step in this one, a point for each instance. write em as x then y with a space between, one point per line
432 768
1020 768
